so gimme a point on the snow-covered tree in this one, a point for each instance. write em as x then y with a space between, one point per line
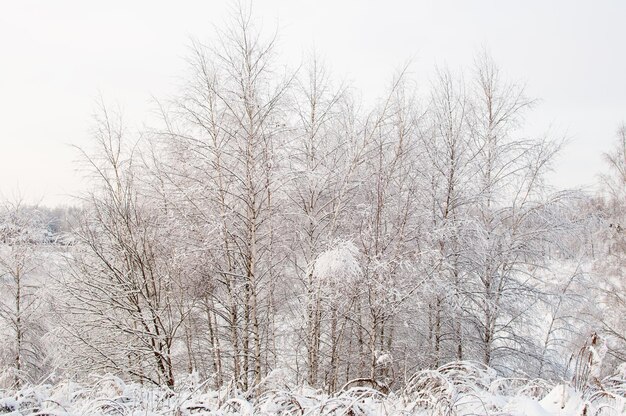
22 350
125 293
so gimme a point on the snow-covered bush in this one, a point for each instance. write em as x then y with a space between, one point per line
455 389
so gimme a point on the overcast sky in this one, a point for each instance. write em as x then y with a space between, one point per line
56 57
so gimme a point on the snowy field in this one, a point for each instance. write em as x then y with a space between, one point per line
455 389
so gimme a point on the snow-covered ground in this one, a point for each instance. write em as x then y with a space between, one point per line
455 389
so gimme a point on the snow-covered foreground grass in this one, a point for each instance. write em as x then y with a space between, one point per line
455 389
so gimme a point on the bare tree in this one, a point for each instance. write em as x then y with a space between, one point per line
322 170
447 175
22 233
124 286
226 135
611 270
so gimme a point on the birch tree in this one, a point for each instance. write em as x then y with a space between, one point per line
228 132
125 291
22 233
508 230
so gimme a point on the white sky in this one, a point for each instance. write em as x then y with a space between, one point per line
56 57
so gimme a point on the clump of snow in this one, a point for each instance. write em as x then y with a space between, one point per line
338 264
383 359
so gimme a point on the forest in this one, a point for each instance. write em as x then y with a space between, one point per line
273 229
